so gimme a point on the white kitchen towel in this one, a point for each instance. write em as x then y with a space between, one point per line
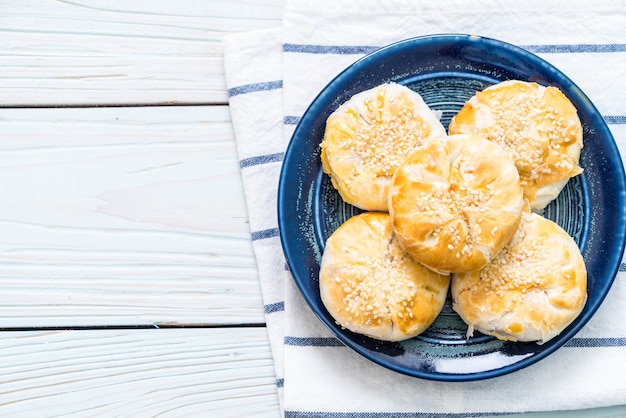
253 66
274 75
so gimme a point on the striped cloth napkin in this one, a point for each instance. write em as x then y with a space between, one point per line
272 77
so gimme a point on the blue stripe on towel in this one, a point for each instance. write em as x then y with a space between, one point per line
274 307
622 267
615 119
574 342
313 341
264 234
597 342
291 120
543 49
317 414
575 48
609 119
261 159
329 49
254 87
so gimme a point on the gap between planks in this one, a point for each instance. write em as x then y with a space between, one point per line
133 327
111 105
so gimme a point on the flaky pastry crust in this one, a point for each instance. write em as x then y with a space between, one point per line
455 203
531 291
538 126
371 286
367 138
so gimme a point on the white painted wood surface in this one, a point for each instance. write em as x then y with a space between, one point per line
123 216
122 210
169 373
94 52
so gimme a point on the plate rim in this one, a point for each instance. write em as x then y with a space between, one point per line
616 164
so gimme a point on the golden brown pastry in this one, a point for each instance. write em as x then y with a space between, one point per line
371 286
368 137
539 128
531 291
455 203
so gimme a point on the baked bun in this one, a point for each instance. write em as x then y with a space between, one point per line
538 126
455 203
367 138
531 291
371 286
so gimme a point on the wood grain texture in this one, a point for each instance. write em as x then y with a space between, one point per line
93 52
168 373
118 216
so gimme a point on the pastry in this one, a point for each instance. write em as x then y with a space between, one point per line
538 126
455 203
531 291
369 284
368 137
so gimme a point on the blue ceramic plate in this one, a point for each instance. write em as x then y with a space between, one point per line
447 70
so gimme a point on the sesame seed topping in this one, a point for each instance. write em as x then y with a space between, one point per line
537 135
449 205
383 138
386 285
519 266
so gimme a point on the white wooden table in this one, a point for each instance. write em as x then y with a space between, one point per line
128 285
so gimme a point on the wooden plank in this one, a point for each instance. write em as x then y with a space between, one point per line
118 216
91 52
171 372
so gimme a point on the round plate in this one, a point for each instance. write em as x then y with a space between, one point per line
447 70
